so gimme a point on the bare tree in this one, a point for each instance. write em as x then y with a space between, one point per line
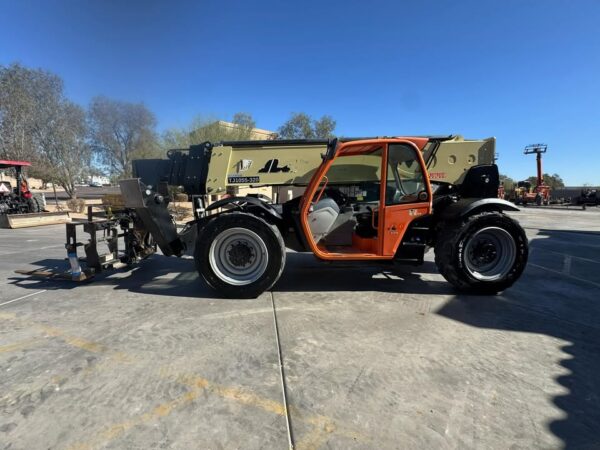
64 153
302 126
24 93
121 132
38 123
244 121
175 138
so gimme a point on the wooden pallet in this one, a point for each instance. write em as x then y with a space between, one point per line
86 274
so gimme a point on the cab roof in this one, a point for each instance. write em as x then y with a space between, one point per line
7 163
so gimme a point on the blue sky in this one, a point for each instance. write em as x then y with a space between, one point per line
524 71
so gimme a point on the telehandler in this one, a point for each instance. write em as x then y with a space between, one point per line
539 194
368 200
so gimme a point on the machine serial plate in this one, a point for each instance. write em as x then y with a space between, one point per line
237 179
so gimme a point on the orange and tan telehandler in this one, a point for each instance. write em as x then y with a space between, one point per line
367 200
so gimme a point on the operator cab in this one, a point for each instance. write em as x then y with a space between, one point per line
366 197
526 185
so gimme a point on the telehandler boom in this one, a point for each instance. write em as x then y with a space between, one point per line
369 200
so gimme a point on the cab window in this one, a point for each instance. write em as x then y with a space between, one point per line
404 175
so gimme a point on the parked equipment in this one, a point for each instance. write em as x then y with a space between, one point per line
540 193
589 197
367 200
20 208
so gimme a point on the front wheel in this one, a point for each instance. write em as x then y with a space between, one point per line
240 255
485 253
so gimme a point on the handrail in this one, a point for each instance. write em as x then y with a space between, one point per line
373 212
323 188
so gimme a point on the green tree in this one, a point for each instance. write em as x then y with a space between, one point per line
324 127
554 181
302 126
120 132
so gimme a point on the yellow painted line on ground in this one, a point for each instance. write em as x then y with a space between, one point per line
74 341
315 438
236 394
20 345
116 430
110 358
322 426
7 316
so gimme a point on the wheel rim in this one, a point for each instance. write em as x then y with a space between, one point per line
238 256
490 254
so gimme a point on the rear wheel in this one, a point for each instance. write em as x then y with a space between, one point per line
484 253
240 255
36 203
538 200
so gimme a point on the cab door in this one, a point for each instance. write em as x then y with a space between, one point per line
407 193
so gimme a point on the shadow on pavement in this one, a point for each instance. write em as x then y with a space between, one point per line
176 277
545 303
157 275
305 274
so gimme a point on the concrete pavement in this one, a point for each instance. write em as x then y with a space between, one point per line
373 357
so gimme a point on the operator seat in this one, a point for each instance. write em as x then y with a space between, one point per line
322 217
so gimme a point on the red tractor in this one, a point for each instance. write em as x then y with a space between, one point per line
18 199
19 207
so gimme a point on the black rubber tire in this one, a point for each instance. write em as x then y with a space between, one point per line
452 239
35 204
538 200
269 234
